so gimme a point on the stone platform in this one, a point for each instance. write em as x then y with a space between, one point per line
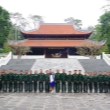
54 101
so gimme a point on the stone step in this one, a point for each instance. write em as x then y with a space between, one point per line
54 64
18 64
94 65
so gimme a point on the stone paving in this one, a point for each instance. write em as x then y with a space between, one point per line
54 101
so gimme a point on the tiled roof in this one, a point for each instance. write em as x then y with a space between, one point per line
58 29
55 43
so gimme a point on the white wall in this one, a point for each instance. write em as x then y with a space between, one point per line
78 57
29 56
5 60
43 56
106 58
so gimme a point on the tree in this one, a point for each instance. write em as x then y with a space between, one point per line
4 25
102 30
22 24
89 50
6 48
107 7
90 28
19 24
18 50
36 20
105 49
105 24
97 34
75 22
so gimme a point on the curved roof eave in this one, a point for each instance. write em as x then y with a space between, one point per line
56 30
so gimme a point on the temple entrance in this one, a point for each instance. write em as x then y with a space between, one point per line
53 52
56 53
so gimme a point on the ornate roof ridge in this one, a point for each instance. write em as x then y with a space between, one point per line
57 28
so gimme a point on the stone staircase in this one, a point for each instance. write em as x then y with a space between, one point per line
18 64
54 64
94 65
85 65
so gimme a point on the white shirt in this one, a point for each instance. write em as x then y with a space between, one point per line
51 78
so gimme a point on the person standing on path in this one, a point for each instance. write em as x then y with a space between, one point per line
52 82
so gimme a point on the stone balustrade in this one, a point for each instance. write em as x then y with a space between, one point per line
5 60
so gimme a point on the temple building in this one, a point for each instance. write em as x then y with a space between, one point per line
55 40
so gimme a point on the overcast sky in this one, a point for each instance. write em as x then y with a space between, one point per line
57 10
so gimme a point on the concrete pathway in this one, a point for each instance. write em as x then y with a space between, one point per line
54 101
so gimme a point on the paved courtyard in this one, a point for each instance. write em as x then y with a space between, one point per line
54 101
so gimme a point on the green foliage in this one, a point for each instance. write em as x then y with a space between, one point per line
105 25
14 34
97 34
11 35
102 30
6 48
105 49
1 50
4 25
